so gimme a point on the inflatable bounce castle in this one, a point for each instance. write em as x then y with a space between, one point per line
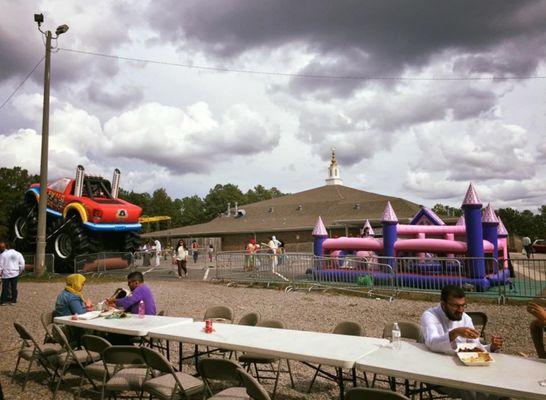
426 253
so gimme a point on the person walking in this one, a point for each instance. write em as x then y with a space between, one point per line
527 245
210 251
195 250
12 264
157 248
181 256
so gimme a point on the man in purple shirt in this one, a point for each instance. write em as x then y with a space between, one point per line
139 291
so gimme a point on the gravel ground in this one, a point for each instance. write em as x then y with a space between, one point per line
299 310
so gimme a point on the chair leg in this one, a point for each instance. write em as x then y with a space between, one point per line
366 379
276 378
15 369
373 380
290 373
314 378
257 373
61 376
26 375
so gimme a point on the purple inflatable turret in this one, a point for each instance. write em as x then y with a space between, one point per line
490 224
320 235
472 208
367 229
389 222
501 229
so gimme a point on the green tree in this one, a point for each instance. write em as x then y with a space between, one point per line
162 204
447 211
260 193
13 184
143 200
191 210
216 201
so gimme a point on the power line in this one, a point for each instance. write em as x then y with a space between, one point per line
297 75
22 83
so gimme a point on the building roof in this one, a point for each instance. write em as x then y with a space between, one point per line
337 205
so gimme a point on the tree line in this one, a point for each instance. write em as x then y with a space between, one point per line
188 210
192 210
521 223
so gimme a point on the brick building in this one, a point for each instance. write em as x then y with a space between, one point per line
291 218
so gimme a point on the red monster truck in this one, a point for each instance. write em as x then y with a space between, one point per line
84 215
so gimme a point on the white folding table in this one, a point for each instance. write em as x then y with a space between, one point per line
339 351
132 326
508 375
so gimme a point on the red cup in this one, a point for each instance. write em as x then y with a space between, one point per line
208 326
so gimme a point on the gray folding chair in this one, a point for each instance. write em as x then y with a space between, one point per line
165 382
69 358
361 393
253 388
248 360
94 345
222 314
129 372
479 320
220 369
409 331
219 314
32 351
343 328
47 320
250 319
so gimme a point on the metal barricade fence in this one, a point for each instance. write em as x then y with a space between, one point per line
260 267
104 263
528 278
30 263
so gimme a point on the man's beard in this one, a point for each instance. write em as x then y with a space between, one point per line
454 316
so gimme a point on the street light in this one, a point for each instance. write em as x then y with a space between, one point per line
39 265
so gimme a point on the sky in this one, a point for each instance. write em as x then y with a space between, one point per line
419 97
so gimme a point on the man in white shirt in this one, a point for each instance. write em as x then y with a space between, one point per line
157 253
12 264
445 326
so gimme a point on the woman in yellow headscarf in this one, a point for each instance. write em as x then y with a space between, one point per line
70 301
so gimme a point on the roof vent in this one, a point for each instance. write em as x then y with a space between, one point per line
270 210
300 207
240 213
356 206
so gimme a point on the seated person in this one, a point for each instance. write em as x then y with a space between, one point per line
139 291
130 303
71 301
537 327
446 325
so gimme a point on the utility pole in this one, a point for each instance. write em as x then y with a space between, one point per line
39 262
39 267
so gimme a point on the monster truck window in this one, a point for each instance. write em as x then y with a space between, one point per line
60 185
99 188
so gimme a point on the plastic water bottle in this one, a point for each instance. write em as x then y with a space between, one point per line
395 336
141 309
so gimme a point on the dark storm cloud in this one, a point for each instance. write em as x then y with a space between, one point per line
368 38
22 45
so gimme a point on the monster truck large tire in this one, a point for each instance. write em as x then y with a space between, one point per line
24 226
132 242
71 241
